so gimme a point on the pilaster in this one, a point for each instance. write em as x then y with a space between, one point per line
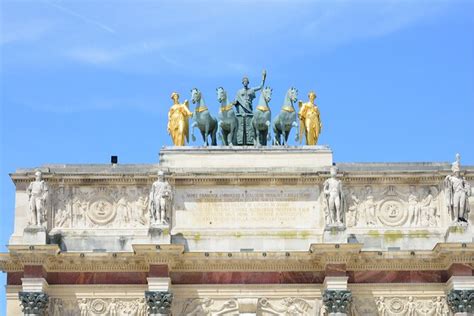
33 297
336 296
461 295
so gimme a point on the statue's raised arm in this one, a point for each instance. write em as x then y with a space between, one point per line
264 76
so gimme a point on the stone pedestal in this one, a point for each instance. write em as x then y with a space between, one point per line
34 235
335 235
159 234
459 233
248 159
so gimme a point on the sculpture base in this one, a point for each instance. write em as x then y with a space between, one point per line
159 234
335 234
35 235
459 233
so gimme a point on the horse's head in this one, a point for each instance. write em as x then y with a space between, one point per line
221 94
195 95
267 94
292 94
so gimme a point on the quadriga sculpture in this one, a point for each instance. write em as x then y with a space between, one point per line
228 122
203 119
286 119
262 117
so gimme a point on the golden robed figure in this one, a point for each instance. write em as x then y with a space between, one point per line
178 125
310 122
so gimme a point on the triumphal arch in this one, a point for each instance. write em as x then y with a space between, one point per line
250 227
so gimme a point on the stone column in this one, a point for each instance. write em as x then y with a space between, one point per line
336 296
33 297
158 297
461 295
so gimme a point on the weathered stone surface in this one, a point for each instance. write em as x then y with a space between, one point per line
34 235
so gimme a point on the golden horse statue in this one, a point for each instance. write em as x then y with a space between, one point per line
178 124
310 121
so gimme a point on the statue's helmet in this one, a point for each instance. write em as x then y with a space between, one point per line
161 173
38 173
245 78
333 170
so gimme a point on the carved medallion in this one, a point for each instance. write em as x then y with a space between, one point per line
101 212
392 213
396 305
98 306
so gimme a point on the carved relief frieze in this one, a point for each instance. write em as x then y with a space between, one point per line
98 307
289 306
393 206
209 307
100 207
411 306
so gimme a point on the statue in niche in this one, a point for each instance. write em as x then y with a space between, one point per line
244 108
352 216
142 206
440 306
178 120
381 308
61 208
113 307
310 121
57 307
429 208
411 307
37 194
123 210
334 196
369 207
413 207
457 192
84 307
160 201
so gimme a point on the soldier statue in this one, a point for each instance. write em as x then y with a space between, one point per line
37 195
457 192
160 200
332 190
244 108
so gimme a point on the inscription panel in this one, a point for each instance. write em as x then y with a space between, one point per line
249 207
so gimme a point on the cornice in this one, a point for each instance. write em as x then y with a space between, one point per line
314 260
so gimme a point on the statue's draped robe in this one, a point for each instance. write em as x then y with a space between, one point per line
245 133
310 123
178 125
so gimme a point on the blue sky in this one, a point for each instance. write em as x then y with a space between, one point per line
82 80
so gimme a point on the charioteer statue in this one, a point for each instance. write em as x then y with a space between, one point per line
244 108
